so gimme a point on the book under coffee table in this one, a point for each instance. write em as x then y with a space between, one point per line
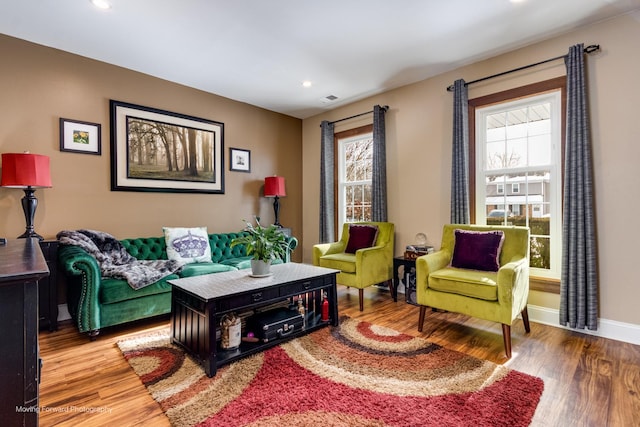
198 303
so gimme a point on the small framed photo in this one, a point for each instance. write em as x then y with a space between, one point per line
239 160
80 137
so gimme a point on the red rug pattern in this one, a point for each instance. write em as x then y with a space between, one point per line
356 374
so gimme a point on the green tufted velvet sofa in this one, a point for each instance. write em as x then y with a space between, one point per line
97 302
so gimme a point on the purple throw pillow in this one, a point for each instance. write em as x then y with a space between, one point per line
477 250
361 236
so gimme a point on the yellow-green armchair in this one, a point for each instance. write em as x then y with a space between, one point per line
498 296
360 264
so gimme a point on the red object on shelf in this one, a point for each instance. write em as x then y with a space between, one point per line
325 309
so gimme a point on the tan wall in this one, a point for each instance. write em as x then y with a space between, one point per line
38 85
419 155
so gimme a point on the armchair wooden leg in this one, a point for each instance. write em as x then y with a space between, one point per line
361 298
423 310
506 336
525 319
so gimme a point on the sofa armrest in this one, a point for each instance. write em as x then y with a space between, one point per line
83 293
292 244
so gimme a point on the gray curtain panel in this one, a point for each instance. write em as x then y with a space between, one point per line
379 179
460 157
579 281
327 209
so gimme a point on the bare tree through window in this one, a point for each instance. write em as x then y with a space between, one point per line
358 170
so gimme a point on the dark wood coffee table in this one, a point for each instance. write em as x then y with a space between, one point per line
197 303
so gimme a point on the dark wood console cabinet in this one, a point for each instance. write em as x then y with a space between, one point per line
21 266
48 288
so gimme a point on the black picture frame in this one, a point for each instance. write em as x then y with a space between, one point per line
239 160
163 151
77 136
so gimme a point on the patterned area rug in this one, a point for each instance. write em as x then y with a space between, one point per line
356 374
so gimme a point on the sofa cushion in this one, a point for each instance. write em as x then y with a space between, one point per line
187 244
116 290
200 268
342 261
470 283
244 262
477 250
361 236
240 262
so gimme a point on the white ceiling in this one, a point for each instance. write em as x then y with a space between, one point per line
260 51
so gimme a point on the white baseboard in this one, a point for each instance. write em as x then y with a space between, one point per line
611 329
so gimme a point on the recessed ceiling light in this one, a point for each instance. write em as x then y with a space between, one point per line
101 4
306 83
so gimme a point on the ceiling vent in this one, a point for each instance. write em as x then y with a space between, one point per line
328 99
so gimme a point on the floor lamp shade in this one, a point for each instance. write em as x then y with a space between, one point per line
274 187
26 171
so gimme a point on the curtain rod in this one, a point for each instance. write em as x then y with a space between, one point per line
589 49
385 108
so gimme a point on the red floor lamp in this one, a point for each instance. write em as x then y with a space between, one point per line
28 172
274 187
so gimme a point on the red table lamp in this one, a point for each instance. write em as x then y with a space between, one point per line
274 187
26 171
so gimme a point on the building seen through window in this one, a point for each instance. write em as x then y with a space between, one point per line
518 172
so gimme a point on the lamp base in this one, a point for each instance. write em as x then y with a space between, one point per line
29 205
30 234
276 211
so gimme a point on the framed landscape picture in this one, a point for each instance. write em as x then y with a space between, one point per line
80 137
156 150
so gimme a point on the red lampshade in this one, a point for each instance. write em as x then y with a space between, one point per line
21 170
274 186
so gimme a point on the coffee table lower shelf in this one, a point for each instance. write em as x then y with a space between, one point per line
224 357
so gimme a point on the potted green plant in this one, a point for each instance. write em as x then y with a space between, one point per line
264 243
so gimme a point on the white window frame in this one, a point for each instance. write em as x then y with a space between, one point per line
555 168
341 157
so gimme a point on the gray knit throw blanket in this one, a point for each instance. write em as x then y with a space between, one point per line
115 261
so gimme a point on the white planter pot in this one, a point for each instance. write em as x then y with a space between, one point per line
260 268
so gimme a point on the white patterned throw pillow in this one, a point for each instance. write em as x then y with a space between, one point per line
187 244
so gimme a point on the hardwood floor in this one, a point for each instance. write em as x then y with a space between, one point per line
589 381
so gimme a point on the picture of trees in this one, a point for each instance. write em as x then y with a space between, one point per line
163 151
158 150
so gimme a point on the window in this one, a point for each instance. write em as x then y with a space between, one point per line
517 162
354 156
